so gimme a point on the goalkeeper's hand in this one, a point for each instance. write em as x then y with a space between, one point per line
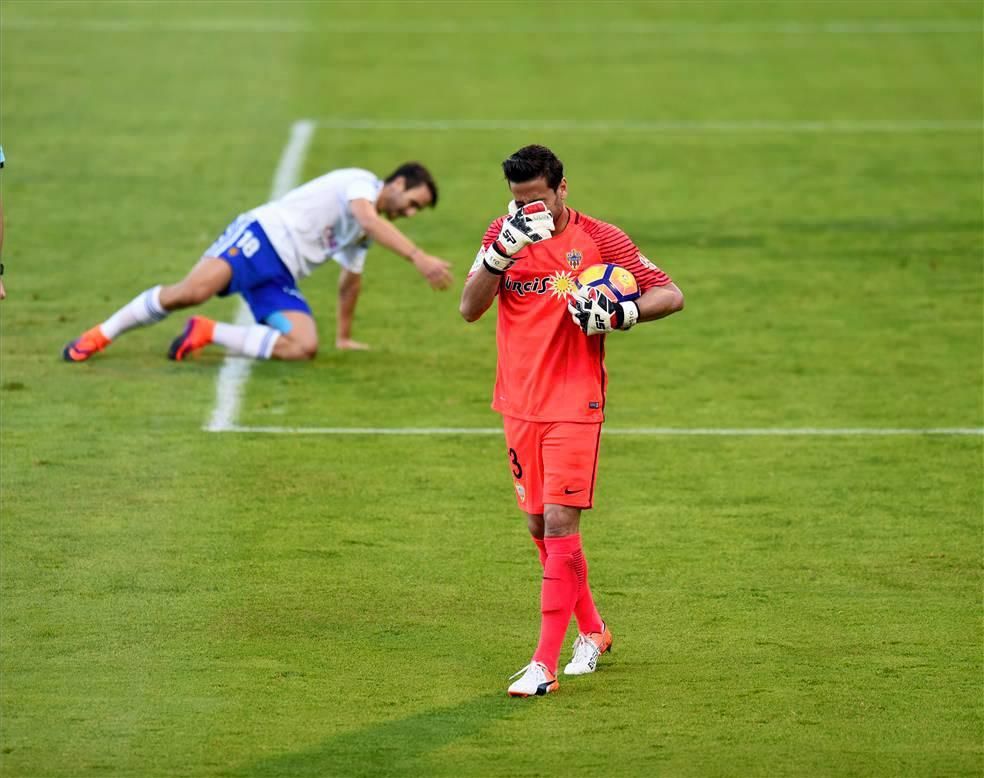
595 314
529 224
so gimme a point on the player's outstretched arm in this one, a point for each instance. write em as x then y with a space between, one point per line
435 270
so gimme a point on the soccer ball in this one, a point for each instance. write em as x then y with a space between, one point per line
613 281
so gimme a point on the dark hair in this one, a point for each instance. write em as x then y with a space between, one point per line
533 162
415 174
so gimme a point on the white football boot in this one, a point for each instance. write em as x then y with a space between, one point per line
587 649
536 680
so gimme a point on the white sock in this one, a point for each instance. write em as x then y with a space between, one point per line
143 309
254 340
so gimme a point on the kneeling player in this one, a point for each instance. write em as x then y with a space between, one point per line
265 252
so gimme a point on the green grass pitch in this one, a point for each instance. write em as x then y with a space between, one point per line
175 602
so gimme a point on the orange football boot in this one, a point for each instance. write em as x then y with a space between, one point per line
88 343
197 334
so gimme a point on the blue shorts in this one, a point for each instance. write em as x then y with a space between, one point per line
258 274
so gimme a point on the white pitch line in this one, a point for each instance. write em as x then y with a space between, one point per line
622 28
641 431
844 126
235 370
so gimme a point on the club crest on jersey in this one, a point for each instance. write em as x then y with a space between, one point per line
521 492
574 258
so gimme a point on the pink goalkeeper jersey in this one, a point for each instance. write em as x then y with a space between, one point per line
548 370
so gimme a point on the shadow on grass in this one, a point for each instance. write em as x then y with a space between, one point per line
398 747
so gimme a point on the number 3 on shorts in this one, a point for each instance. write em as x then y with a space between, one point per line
517 468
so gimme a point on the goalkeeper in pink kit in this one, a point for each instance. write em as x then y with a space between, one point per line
551 381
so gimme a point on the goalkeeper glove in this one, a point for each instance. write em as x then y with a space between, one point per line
529 224
595 314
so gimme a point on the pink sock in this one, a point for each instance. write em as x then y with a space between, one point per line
562 575
541 547
588 618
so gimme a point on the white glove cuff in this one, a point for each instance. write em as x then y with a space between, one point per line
630 315
494 261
